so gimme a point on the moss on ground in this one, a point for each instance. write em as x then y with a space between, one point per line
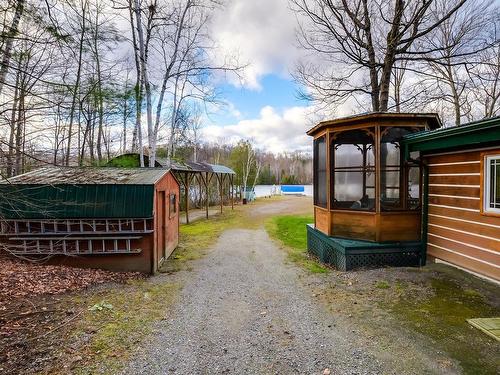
382 284
442 316
291 232
116 320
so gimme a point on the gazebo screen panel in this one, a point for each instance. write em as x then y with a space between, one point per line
353 170
397 180
320 172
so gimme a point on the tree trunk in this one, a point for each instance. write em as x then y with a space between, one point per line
77 83
19 133
137 135
145 75
9 41
100 111
13 117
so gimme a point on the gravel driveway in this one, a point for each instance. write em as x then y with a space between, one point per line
244 310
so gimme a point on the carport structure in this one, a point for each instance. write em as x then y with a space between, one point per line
203 173
189 175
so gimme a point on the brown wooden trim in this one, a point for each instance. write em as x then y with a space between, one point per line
454 157
455 180
467 263
455 202
466 251
353 212
471 192
465 215
454 168
377 168
328 171
467 240
321 208
476 228
484 155
401 213
320 134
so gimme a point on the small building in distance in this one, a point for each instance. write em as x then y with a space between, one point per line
120 219
461 205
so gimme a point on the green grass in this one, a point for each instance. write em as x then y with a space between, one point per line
124 320
196 238
442 316
291 232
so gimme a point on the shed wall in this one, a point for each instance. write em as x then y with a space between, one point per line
166 224
120 262
458 232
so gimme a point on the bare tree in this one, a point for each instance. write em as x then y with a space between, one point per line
356 44
455 47
7 40
486 83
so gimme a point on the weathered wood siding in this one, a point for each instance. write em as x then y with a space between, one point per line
166 224
458 232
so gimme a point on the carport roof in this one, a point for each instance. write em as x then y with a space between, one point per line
196 167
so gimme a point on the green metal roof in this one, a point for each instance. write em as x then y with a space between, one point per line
474 134
65 193
91 175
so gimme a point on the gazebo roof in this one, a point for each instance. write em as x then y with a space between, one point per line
432 119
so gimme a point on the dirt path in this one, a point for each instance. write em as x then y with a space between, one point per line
244 311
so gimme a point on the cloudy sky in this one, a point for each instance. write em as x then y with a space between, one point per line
263 105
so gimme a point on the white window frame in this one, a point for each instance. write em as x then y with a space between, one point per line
487 178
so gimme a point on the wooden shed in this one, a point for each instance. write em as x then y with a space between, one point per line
367 199
122 219
461 213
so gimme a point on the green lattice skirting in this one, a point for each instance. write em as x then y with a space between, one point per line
346 254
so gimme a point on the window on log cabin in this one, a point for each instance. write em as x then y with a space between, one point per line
353 170
319 170
492 184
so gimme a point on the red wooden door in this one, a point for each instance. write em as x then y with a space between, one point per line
162 224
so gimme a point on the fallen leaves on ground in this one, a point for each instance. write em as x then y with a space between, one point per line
20 279
34 313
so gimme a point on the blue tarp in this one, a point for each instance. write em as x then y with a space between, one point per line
292 188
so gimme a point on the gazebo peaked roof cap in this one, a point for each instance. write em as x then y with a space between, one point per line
433 119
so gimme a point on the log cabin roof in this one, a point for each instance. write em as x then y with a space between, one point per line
481 133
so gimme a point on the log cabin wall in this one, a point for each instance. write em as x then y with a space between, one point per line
459 232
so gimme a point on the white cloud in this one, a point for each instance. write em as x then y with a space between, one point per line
277 130
261 32
272 131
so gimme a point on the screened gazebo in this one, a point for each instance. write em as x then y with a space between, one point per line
367 198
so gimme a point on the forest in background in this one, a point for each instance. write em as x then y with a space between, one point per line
84 80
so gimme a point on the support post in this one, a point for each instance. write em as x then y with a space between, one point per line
221 188
207 195
186 196
231 179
